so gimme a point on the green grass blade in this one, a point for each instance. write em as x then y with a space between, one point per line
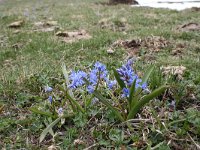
117 77
147 74
145 100
45 131
105 102
37 111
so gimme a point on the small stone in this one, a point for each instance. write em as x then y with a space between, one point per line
110 51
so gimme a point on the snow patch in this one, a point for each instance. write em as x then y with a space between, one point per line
169 4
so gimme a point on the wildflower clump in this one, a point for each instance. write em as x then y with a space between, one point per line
99 75
123 93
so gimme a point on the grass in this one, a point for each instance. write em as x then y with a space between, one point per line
37 62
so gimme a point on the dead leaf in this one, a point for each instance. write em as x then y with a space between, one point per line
155 43
1 108
79 142
52 147
138 144
189 27
174 70
152 43
133 44
72 36
16 24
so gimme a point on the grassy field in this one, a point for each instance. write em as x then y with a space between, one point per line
31 59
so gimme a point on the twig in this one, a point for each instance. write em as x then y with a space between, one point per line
91 146
197 145
140 119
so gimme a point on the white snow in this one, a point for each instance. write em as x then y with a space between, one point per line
170 4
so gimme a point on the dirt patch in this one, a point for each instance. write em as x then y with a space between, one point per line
16 24
73 36
178 51
194 9
116 2
189 27
46 26
152 43
114 25
123 2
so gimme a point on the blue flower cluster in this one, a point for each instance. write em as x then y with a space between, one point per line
99 73
77 79
128 76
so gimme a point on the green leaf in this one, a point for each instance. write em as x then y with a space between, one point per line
147 74
64 70
74 102
131 96
144 100
49 128
117 77
37 111
105 102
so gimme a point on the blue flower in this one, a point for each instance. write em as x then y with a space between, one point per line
50 98
99 66
99 71
103 75
144 86
60 111
48 89
77 79
125 92
93 77
90 89
111 83
127 74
